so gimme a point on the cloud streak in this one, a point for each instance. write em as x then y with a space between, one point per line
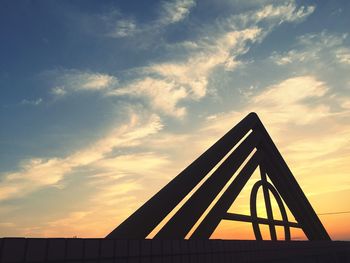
68 81
37 173
170 12
32 102
166 84
313 47
175 11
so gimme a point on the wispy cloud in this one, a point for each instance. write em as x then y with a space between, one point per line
58 91
288 12
285 102
343 55
117 183
170 12
270 15
163 86
121 182
32 102
123 28
175 11
112 23
291 57
166 84
75 80
215 52
163 95
313 47
37 172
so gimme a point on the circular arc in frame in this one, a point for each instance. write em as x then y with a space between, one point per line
253 210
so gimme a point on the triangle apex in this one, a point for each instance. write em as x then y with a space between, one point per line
253 114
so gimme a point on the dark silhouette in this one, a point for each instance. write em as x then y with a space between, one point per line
127 242
141 223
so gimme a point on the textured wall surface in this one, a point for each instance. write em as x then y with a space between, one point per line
109 250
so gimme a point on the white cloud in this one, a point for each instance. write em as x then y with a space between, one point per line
343 55
123 28
286 12
291 91
345 103
272 14
163 95
32 102
291 56
175 11
314 47
323 39
113 24
170 12
117 184
216 52
285 102
166 84
75 80
281 105
136 164
95 81
175 82
37 172
58 91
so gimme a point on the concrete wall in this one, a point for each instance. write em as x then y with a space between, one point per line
108 250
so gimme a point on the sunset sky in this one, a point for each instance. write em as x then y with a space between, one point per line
104 102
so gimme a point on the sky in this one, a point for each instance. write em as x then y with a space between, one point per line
104 102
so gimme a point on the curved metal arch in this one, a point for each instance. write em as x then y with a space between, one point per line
253 212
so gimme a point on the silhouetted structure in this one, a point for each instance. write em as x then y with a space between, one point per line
248 139
247 145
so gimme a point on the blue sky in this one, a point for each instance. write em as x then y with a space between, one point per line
103 102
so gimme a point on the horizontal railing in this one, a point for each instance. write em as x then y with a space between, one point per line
113 250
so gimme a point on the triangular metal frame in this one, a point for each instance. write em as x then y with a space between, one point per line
248 136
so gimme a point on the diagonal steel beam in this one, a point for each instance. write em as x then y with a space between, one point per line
185 218
149 215
289 189
216 214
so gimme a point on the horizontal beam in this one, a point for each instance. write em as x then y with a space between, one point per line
259 220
